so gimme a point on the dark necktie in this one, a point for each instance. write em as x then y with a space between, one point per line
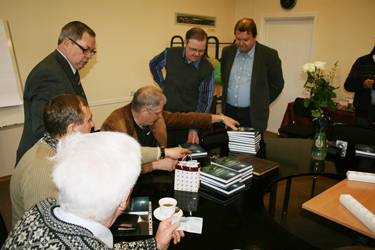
79 83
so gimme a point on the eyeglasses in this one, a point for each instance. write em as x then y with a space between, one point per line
156 113
195 50
85 51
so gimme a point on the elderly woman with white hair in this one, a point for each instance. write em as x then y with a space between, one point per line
95 174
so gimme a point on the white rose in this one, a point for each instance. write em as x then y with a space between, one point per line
308 67
320 65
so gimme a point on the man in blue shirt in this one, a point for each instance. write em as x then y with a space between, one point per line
189 82
252 77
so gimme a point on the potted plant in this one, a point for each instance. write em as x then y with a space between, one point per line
321 94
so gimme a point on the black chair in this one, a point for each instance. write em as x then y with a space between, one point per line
298 130
3 231
353 134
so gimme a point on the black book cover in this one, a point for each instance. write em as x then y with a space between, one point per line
196 149
232 164
365 150
127 221
220 173
138 205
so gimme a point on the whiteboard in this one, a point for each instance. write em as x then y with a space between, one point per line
11 107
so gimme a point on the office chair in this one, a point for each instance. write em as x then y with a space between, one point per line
3 231
353 134
298 130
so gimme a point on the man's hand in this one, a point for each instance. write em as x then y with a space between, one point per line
368 83
229 122
193 137
167 164
166 232
177 152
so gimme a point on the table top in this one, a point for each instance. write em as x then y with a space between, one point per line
243 223
327 204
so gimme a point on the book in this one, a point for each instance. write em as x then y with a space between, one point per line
246 177
239 151
260 166
232 164
138 205
219 173
126 221
144 225
229 190
218 183
243 130
365 150
196 149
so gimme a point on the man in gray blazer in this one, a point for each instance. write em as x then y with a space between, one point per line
55 75
252 77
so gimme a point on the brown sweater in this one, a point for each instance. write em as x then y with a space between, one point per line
121 120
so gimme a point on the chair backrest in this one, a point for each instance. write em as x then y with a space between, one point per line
353 134
300 110
3 231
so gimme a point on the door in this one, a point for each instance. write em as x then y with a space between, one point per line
293 36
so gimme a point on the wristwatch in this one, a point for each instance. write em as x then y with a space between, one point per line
222 118
162 152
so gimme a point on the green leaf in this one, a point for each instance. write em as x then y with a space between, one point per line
306 102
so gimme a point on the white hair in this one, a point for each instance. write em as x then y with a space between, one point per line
94 172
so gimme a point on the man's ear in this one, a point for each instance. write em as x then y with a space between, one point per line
66 42
185 43
144 111
125 202
70 129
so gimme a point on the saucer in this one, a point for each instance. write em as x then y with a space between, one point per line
158 215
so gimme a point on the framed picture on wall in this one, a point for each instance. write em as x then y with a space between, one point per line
195 20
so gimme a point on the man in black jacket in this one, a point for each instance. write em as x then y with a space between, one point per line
55 75
361 81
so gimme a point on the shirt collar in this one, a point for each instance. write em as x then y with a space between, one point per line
51 141
196 64
97 229
250 53
73 69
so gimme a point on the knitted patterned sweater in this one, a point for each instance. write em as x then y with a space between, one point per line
39 228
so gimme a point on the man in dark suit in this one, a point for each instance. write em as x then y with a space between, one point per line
55 75
252 77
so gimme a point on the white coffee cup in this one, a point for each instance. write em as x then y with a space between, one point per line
167 206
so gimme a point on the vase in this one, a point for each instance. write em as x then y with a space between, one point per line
317 166
319 147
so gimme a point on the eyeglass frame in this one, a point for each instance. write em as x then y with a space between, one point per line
84 51
155 113
196 50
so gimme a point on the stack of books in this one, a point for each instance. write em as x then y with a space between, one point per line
244 140
225 175
365 150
